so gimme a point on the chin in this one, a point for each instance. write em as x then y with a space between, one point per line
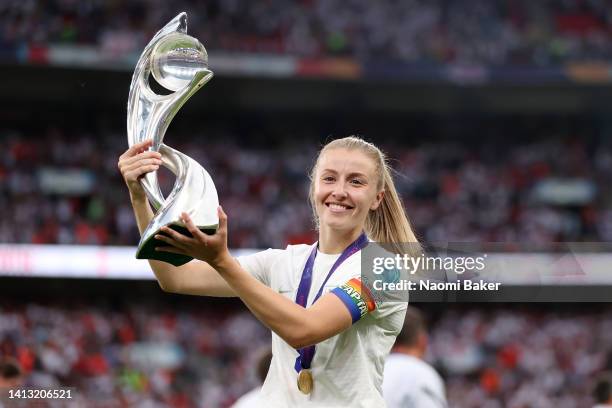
337 225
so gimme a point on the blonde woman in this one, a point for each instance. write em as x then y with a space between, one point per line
330 338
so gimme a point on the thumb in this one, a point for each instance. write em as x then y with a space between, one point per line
222 219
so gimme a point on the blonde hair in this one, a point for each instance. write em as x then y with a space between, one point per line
388 224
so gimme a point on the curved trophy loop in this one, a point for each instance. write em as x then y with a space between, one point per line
194 193
178 63
150 114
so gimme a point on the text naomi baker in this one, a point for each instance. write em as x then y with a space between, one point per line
405 284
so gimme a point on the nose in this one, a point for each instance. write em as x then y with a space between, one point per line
339 191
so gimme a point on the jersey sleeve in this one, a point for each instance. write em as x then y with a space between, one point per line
259 264
356 297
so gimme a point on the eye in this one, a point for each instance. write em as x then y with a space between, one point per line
328 179
358 182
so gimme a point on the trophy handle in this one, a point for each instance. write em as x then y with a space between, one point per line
194 193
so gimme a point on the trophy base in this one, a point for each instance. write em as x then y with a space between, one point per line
147 249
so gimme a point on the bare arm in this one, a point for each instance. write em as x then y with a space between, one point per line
298 326
193 278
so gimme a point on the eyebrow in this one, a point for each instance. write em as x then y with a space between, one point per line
353 174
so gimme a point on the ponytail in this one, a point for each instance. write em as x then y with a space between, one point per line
389 224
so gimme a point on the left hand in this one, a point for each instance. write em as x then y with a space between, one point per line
208 248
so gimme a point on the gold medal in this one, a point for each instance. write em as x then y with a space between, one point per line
305 382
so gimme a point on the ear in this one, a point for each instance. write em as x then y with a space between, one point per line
378 200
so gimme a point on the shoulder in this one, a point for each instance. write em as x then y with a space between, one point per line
401 364
299 248
270 252
295 254
272 255
267 266
426 388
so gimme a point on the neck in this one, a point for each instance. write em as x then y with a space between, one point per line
334 242
409 351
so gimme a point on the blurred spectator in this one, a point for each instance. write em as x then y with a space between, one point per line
520 358
602 393
10 378
133 355
492 32
251 398
10 373
408 380
551 186
160 354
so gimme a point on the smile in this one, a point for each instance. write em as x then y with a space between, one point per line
337 207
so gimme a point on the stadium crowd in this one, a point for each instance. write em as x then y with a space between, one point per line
519 32
137 355
151 354
521 358
553 187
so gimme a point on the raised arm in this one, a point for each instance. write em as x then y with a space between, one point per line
298 326
193 278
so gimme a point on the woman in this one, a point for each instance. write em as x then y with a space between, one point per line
306 294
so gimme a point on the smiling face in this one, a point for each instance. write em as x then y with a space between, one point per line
346 187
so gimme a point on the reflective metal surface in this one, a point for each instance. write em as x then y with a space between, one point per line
179 63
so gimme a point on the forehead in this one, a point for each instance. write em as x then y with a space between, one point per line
346 161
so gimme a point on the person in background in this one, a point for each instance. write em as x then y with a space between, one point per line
10 373
251 398
11 377
602 393
409 382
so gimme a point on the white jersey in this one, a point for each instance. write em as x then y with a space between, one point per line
412 383
347 368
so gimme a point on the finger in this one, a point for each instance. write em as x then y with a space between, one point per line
167 240
140 171
126 163
170 249
178 237
142 161
222 219
191 227
135 148
170 241
149 155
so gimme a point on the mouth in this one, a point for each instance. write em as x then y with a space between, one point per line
338 207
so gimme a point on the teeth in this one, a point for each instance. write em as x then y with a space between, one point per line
337 207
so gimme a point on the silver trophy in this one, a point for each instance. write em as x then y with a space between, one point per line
178 63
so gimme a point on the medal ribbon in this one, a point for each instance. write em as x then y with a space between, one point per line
306 354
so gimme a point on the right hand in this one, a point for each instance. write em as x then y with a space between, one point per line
135 163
